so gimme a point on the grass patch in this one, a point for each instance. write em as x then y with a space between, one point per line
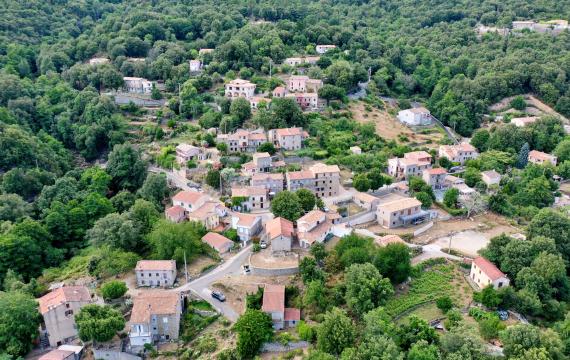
427 312
193 324
200 305
426 286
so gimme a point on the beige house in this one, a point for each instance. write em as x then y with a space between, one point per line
491 177
205 51
541 158
273 182
243 140
209 214
435 178
327 179
254 197
366 201
279 92
256 101
155 317
58 309
412 164
156 273
313 227
240 88
218 242
458 153
400 212
189 200
246 225
484 273
187 152
279 233
296 61
288 138
273 304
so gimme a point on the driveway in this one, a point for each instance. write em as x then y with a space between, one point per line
202 285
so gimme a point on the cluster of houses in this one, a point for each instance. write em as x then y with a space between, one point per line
247 141
302 89
553 27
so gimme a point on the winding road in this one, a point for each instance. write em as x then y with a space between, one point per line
201 286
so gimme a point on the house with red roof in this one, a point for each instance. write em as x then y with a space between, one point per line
218 242
279 233
435 178
484 273
274 305
58 309
159 273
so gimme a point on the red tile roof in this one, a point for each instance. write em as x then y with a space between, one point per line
292 314
273 298
279 226
154 265
58 355
175 211
188 196
62 295
436 171
216 240
488 268
158 302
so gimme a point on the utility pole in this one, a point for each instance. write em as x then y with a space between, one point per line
185 267
270 68
179 101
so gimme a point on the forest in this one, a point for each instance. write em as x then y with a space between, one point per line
76 194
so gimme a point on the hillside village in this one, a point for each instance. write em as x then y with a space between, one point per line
285 207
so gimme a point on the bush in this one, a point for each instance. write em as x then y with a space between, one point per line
306 332
113 289
444 304
490 327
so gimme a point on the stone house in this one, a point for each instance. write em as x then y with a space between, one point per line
288 138
254 197
137 85
58 309
273 182
273 304
156 273
155 317
400 212
435 178
279 232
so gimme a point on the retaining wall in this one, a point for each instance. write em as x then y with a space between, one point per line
114 355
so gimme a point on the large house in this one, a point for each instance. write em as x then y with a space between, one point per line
209 214
279 233
243 140
189 200
218 242
321 49
273 182
256 101
323 180
484 273
415 116
246 225
303 84
401 212
58 309
195 206
187 152
156 273
541 158
314 226
137 85
155 317
458 153
412 164
305 100
252 197
288 138
240 88
274 305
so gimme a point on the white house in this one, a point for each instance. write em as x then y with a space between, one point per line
491 177
484 273
246 225
415 116
240 88
159 273
321 49
137 85
195 66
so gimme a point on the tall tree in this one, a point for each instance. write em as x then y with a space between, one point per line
19 322
126 168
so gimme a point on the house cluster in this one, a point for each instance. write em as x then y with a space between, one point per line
249 140
261 163
303 90
415 116
552 26
137 85
301 60
315 226
459 153
196 206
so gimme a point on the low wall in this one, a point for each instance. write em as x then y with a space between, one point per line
114 355
361 218
278 347
274 272
423 229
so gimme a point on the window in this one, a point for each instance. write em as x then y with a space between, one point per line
165 320
69 312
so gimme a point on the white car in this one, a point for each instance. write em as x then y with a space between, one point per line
246 270
263 244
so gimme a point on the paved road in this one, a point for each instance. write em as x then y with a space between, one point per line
201 286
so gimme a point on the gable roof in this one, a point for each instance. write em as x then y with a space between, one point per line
188 196
246 220
155 265
400 204
62 295
488 268
273 298
311 217
149 303
279 226
215 240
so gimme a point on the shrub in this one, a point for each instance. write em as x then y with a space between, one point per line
306 332
444 303
113 289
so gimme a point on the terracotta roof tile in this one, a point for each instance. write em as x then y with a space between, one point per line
273 298
188 196
216 240
58 355
292 314
62 295
488 268
152 265
149 303
279 226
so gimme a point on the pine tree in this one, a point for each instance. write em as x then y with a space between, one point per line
522 159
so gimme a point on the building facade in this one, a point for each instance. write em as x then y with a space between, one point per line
155 317
240 88
156 273
415 116
484 273
137 85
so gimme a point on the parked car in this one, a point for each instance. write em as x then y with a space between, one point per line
503 315
218 296
263 244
